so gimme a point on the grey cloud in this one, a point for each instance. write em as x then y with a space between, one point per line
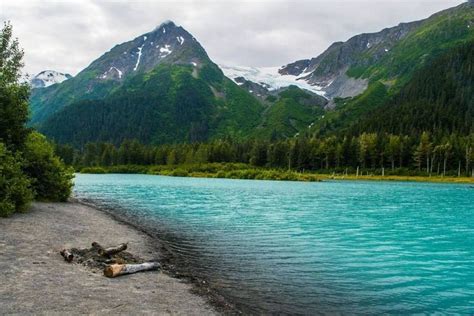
67 35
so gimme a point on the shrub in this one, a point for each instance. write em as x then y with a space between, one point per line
51 179
15 187
96 170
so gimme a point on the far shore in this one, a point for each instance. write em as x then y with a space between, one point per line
36 280
242 171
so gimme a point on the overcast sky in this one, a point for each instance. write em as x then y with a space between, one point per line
68 35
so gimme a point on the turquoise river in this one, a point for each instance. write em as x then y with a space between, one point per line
274 247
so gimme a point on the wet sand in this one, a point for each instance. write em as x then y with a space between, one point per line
35 278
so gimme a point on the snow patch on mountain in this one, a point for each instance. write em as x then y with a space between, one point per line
165 51
139 56
269 77
47 78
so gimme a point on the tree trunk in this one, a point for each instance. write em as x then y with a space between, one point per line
444 166
115 270
468 154
431 164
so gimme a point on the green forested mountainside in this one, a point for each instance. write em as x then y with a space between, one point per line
350 110
422 83
431 38
44 102
165 105
166 44
439 99
291 113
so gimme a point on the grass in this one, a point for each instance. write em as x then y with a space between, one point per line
212 170
244 171
438 179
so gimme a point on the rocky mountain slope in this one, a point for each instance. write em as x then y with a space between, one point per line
47 78
166 44
345 69
162 87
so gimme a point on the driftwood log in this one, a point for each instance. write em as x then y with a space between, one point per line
115 270
67 255
107 252
97 246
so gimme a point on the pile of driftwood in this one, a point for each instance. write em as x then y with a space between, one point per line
114 261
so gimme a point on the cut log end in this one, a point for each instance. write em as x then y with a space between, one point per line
113 270
67 255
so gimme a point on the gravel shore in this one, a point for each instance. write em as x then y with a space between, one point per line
35 278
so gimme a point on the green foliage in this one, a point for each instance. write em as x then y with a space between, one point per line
15 188
439 99
290 115
51 179
431 38
371 153
165 105
13 94
348 111
97 170
210 170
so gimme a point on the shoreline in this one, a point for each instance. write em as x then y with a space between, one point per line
266 174
37 279
169 262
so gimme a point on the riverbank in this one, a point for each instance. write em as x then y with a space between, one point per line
36 280
243 171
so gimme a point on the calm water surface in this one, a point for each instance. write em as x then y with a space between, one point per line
306 248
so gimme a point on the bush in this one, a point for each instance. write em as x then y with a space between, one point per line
51 179
15 187
95 170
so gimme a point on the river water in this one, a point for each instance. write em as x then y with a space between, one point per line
307 248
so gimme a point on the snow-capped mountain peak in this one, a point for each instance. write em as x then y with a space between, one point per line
47 78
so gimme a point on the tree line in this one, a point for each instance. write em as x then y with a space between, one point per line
368 152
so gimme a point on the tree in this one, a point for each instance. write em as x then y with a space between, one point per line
423 152
15 187
28 165
258 155
13 94
50 178
393 149
367 148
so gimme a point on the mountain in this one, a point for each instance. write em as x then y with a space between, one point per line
392 55
438 99
167 43
47 78
160 87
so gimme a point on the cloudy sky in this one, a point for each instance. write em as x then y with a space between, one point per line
68 35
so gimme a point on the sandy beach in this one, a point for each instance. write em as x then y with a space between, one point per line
35 278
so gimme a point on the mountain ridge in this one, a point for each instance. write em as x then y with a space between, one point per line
162 87
47 78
